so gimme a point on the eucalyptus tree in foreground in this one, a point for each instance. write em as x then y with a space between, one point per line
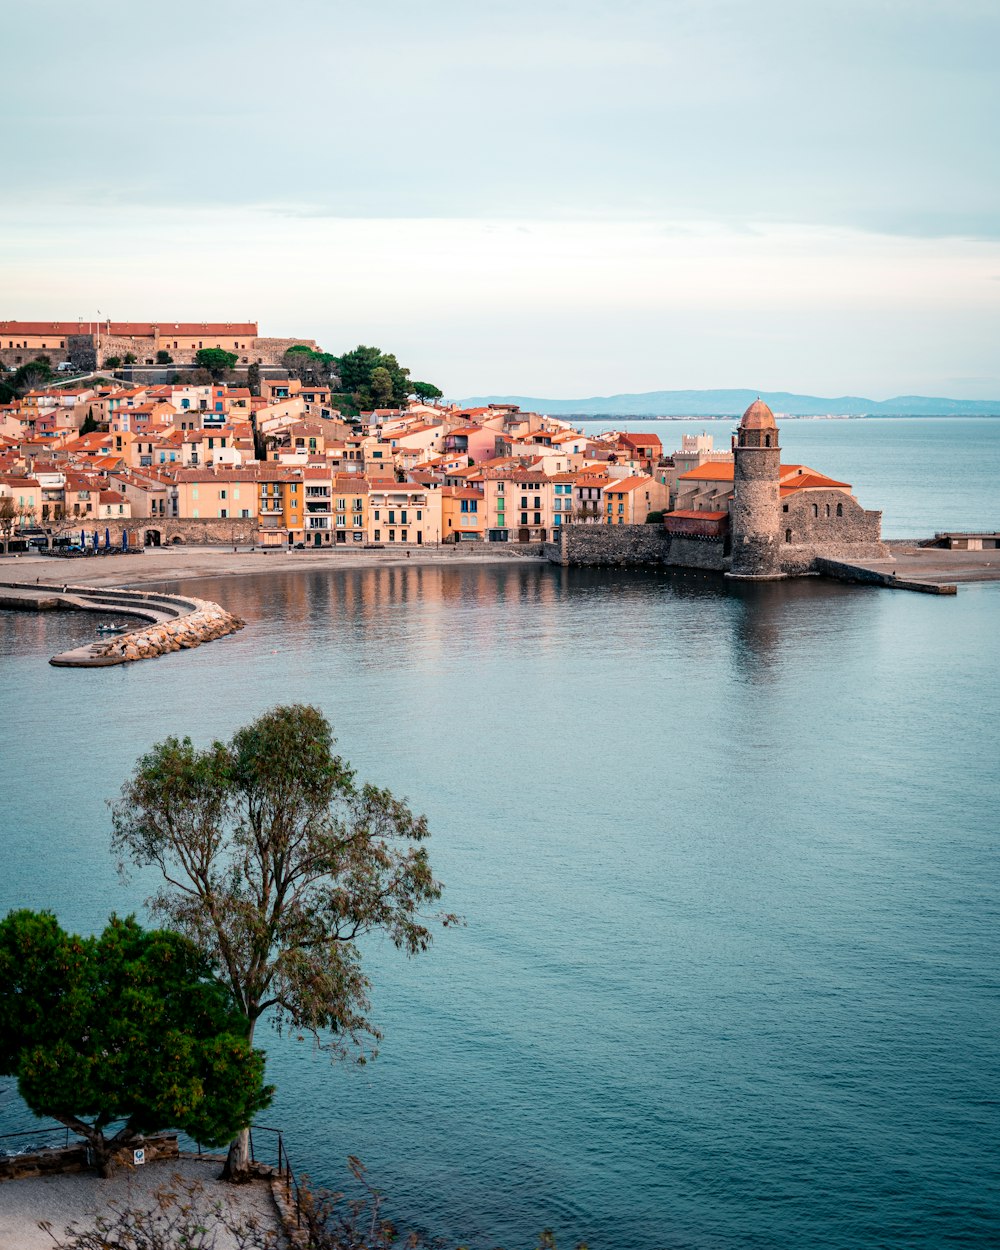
275 862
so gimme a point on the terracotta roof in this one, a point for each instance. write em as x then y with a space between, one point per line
686 514
712 471
128 329
758 417
811 481
626 484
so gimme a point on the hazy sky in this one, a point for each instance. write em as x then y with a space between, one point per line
556 198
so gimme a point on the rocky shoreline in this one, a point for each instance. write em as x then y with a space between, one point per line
207 622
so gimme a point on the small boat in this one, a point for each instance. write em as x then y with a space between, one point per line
112 629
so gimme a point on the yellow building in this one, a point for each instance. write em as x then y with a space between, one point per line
281 501
463 514
628 501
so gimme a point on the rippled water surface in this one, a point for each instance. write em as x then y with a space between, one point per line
728 861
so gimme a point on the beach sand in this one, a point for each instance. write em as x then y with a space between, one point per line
168 564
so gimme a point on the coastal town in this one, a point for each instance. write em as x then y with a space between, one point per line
267 455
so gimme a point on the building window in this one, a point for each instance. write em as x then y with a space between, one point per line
840 509
815 509
784 507
788 536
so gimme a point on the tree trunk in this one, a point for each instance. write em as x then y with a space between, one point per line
238 1162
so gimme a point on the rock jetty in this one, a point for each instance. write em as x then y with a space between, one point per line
206 622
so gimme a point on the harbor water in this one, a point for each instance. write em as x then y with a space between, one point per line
727 856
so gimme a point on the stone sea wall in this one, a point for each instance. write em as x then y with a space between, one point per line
597 546
206 622
62 1159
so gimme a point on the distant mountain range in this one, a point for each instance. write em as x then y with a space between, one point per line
732 403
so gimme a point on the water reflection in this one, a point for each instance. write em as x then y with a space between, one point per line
731 940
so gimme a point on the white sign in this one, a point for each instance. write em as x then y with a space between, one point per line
138 1157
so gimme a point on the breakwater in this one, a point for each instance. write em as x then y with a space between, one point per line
174 622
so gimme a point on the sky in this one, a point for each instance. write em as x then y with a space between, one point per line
559 198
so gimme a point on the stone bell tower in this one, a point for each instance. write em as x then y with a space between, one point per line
755 511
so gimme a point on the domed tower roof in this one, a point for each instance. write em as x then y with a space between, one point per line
758 417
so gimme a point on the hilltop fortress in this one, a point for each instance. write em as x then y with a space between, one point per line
89 344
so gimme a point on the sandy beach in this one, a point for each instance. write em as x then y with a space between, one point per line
167 564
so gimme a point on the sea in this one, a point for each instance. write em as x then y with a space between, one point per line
726 856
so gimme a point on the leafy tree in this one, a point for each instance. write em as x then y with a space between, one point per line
253 378
26 378
381 387
89 424
8 520
357 367
129 1026
426 391
276 862
308 365
130 358
113 362
216 360
654 518
164 357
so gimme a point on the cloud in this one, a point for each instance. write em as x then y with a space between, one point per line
839 114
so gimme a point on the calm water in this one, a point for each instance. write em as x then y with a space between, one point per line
728 858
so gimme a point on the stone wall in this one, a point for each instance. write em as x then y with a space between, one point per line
606 545
218 531
272 351
598 545
698 553
812 530
63 1159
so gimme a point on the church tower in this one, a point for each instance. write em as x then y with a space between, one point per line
755 511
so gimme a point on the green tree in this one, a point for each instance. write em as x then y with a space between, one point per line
276 863
129 358
131 1026
426 391
26 378
308 365
164 358
113 362
253 378
381 387
89 424
356 369
216 360
654 518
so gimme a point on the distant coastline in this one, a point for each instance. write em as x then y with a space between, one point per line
723 404
785 416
